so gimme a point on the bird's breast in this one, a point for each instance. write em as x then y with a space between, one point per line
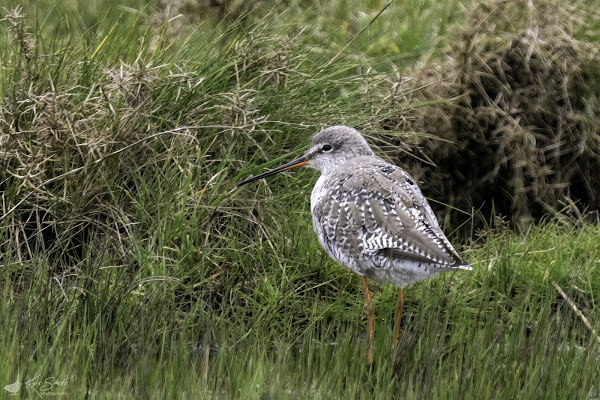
319 192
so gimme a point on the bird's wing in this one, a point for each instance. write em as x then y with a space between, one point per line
379 208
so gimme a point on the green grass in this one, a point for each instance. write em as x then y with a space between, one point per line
131 267
501 331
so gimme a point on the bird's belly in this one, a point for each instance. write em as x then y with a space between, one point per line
377 266
397 271
339 255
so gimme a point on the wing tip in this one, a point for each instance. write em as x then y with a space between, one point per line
464 266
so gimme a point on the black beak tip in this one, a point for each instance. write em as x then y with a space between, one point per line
243 182
297 162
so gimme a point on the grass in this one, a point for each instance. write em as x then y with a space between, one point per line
131 267
502 331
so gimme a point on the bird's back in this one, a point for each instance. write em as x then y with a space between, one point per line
371 217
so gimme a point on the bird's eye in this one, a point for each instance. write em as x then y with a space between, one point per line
327 147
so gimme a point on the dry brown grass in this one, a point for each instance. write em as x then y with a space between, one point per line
101 144
522 138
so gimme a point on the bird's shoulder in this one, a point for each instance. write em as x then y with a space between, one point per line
370 179
368 193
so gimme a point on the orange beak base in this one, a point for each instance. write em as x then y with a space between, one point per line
301 164
298 162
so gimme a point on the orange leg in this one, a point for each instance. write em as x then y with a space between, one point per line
398 316
369 312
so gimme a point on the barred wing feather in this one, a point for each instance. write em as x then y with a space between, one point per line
378 209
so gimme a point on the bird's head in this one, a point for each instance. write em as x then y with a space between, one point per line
333 146
329 148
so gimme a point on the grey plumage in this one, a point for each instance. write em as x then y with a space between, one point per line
369 215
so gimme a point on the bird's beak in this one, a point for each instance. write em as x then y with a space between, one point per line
298 162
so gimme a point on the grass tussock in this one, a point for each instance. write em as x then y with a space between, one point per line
520 137
119 160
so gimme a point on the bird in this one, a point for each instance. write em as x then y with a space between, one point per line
13 388
371 217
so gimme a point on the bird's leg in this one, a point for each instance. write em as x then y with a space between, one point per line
398 316
370 322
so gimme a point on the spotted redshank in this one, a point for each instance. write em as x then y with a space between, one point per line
371 217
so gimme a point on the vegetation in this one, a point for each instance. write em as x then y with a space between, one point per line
130 265
524 128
